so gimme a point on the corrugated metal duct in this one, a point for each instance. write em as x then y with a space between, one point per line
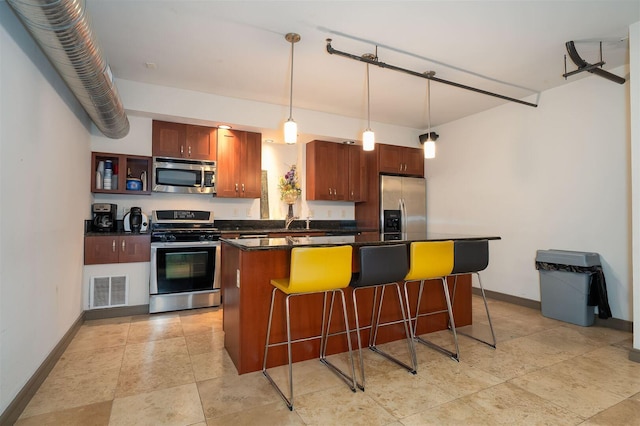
63 31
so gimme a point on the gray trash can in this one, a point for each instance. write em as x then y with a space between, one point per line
565 278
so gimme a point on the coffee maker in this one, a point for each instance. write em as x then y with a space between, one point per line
135 219
104 217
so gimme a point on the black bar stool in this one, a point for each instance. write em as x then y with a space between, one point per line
471 257
382 266
313 270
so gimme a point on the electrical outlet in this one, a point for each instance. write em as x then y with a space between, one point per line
329 213
248 212
343 214
235 212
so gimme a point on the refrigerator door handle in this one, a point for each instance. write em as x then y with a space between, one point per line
403 216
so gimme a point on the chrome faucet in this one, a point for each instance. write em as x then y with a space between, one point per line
289 220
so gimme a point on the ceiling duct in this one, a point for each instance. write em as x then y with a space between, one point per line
585 66
64 33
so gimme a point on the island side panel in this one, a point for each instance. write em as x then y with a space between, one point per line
230 263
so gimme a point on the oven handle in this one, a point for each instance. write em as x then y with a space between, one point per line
193 244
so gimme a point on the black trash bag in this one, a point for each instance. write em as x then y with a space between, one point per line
597 284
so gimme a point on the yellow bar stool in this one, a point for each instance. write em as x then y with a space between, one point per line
313 270
431 260
380 267
471 257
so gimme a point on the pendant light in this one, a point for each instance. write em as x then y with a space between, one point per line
429 144
290 126
368 137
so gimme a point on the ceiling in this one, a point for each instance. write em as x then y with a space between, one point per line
237 49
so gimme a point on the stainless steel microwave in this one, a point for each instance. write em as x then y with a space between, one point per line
179 175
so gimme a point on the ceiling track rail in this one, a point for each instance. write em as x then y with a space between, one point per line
373 60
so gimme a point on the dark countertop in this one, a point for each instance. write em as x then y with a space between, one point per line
257 227
114 234
298 225
249 244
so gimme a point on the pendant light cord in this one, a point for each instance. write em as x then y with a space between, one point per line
368 101
291 86
429 109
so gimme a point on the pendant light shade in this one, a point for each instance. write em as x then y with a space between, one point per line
290 126
368 137
430 149
368 140
290 131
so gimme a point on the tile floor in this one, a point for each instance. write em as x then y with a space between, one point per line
172 369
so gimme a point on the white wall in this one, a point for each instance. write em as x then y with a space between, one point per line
44 167
553 177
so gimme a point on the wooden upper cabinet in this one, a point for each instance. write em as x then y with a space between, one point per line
401 160
325 171
201 142
239 168
135 166
168 139
179 140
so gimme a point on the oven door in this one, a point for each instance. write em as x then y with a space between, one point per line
184 267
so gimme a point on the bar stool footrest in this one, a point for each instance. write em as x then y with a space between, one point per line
491 345
338 372
393 359
277 388
438 348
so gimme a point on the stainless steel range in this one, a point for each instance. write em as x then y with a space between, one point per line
185 261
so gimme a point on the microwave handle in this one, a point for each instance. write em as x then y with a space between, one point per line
202 176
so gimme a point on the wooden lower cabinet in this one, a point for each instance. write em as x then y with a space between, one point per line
247 290
103 249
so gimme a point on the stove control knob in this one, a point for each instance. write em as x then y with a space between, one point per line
163 238
171 238
202 237
210 237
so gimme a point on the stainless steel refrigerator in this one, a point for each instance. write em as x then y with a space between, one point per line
403 206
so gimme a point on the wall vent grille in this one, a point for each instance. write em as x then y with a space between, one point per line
107 292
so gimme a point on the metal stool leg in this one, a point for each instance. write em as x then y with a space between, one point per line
408 334
289 400
349 380
453 355
486 308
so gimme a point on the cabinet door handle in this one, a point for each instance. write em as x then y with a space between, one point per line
243 187
189 150
113 246
236 187
181 149
123 246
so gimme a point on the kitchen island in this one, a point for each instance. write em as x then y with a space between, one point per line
249 264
